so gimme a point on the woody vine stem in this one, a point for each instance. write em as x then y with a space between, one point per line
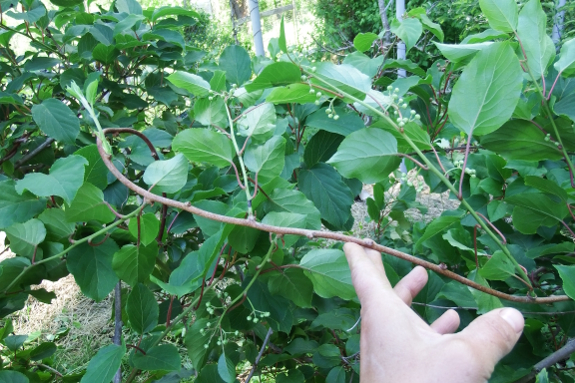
148 196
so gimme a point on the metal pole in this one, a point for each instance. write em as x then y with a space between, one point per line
399 11
558 23
254 10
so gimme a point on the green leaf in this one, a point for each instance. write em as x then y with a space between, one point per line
276 74
127 24
533 208
17 207
294 201
31 16
487 35
92 268
542 376
14 342
211 112
259 122
106 54
437 226
321 147
406 65
143 309
282 39
538 46
345 77
226 368
567 274
190 82
324 187
421 14
89 205
336 375
345 125
134 264
65 178
172 11
521 140
195 340
565 107
235 61
104 365
566 63
329 272
485 302
56 120
266 160
487 92
408 30
368 155
167 176
25 237
292 284
286 219
164 357
362 41
498 267
41 63
203 145
43 350
294 93
461 53
129 7
367 65
10 376
96 172
149 228
502 15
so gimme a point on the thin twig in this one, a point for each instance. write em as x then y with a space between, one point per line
266 340
37 150
559 355
369 243
118 324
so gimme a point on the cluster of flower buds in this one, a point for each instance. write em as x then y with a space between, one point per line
253 317
471 172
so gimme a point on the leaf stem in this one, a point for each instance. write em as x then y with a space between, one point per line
241 161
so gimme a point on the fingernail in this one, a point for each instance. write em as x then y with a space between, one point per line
514 318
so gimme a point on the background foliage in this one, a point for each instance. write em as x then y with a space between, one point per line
202 181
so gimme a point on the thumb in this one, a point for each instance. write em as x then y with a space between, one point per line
494 334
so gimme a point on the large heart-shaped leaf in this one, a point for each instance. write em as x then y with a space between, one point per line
167 176
143 309
329 273
203 145
57 120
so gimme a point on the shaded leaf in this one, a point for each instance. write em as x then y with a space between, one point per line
329 272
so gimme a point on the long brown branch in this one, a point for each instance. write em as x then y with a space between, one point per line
369 243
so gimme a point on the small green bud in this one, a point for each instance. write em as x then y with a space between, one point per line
390 88
412 112
311 91
473 176
395 113
330 115
211 98
314 68
249 318
318 94
395 96
255 320
336 117
417 117
219 342
236 333
556 143
328 111
409 183
206 346
404 105
317 102
304 77
547 138
396 90
400 100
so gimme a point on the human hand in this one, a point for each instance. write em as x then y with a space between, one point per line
398 346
